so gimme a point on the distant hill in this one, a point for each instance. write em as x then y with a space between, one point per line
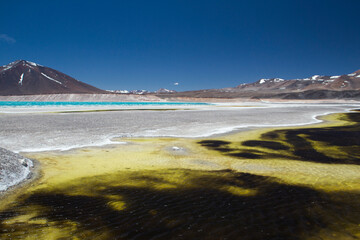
27 78
316 87
343 82
164 90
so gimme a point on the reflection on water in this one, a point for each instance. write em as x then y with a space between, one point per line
336 145
201 204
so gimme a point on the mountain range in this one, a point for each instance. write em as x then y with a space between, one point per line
27 78
343 82
314 87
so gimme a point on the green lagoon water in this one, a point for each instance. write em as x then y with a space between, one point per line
45 104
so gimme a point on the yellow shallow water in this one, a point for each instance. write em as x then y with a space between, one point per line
298 183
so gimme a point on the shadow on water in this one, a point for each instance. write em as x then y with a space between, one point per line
305 144
208 205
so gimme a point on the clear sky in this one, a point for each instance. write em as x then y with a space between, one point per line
149 44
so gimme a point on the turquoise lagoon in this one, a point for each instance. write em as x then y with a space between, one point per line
45 104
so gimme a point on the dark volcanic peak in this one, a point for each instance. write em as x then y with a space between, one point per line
24 77
17 63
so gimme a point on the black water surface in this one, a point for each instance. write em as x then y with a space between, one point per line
266 144
304 144
201 210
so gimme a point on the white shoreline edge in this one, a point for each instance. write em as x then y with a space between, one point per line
226 130
105 142
236 128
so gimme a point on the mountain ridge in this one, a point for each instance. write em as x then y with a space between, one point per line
342 82
345 86
23 77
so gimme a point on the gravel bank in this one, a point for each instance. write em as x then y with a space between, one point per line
14 169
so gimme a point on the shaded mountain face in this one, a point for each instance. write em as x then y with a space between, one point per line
344 82
23 77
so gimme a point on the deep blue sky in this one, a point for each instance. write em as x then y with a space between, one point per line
143 44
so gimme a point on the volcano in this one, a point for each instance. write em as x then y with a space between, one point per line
27 78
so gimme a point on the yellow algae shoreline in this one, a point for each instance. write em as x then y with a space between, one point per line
130 189
322 176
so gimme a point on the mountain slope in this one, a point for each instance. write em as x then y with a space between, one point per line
27 78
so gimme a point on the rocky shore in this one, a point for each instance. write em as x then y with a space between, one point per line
14 169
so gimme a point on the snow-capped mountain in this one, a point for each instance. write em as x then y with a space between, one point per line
137 92
119 91
316 87
25 77
141 92
164 90
343 82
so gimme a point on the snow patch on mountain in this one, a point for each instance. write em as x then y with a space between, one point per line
6 68
118 91
315 77
164 90
14 63
278 80
21 79
31 63
51 78
139 92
